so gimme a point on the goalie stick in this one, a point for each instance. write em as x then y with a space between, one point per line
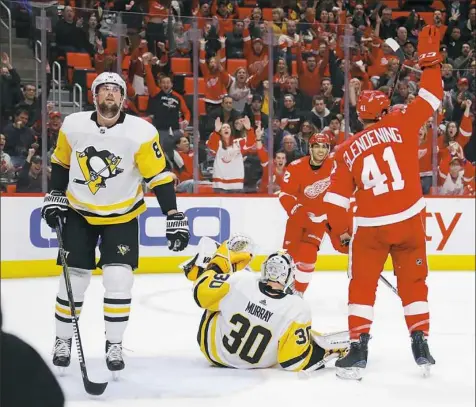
96 389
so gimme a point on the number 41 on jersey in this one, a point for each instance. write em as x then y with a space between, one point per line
373 178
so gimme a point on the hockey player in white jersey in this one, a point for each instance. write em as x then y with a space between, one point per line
254 321
98 166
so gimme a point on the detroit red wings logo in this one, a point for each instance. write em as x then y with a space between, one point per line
422 153
317 188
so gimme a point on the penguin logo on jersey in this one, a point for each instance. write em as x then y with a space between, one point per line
97 167
123 249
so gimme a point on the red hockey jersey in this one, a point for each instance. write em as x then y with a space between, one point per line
381 166
307 187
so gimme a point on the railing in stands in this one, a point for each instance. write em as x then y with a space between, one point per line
8 26
77 104
38 61
56 82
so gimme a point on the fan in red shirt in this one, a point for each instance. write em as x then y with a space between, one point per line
279 167
381 165
302 190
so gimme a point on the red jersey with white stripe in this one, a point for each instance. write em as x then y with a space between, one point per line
305 186
215 82
425 155
463 184
381 164
462 137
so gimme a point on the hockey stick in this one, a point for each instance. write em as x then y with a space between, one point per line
388 284
95 389
401 58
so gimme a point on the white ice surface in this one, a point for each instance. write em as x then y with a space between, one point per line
164 366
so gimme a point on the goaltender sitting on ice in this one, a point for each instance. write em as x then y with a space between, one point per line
255 321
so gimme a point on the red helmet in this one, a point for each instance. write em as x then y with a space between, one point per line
318 138
371 104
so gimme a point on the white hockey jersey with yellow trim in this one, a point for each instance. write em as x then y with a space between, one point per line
107 165
245 328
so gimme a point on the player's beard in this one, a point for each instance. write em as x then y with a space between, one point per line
108 111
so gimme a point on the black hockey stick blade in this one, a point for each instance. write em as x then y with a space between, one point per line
95 389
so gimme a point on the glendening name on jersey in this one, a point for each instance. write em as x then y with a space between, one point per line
107 166
371 138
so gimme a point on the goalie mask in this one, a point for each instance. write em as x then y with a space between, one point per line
278 268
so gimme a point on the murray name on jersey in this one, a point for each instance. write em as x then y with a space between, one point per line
259 312
107 165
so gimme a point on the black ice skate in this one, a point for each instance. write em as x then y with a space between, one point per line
114 360
62 353
421 352
351 365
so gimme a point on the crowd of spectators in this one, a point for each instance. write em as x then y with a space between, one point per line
308 65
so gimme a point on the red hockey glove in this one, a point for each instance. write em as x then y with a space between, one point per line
337 243
429 47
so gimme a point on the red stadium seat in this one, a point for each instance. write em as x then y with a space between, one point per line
201 106
267 14
188 86
111 45
142 103
244 12
181 66
77 60
90 76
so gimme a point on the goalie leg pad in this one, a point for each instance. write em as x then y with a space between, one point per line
80 279
117 280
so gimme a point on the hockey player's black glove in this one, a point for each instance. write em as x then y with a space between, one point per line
177 232
55 207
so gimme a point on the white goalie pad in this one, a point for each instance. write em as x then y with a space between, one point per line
332 340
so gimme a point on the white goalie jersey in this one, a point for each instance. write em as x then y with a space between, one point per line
107 165
245 327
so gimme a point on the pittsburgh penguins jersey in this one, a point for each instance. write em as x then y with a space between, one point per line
107 166
246 327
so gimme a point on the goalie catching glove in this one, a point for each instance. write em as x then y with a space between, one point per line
177 231
429 47
55 207
232 255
